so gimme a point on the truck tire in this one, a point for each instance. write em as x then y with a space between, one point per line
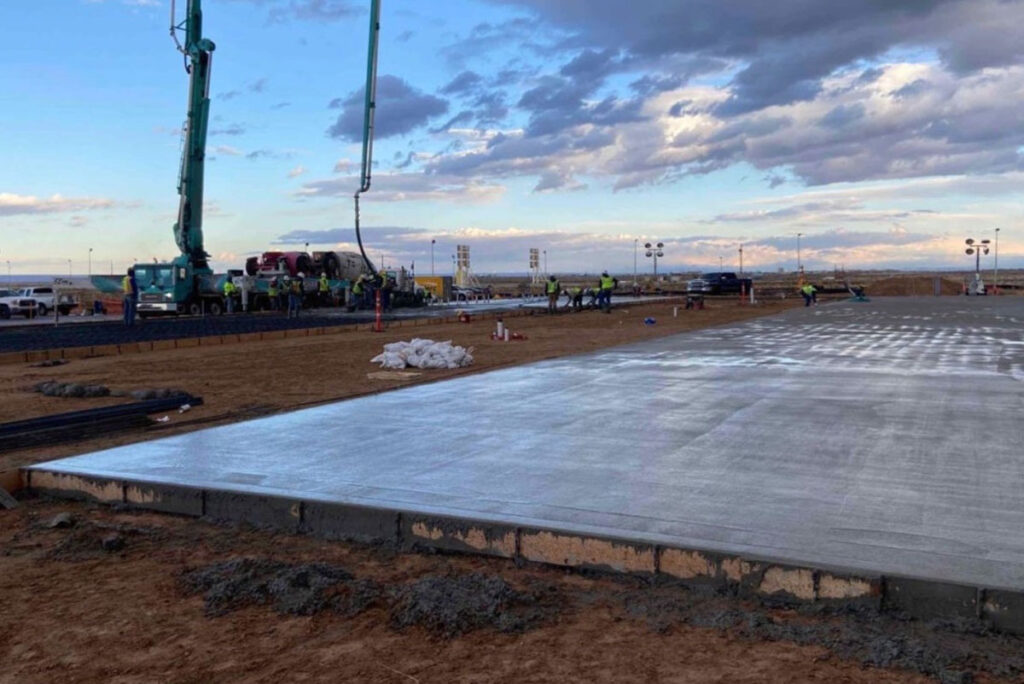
194 308
5 312
215 308
41 310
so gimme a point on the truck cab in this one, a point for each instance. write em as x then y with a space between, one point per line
718 283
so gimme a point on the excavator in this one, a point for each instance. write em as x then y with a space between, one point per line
187 284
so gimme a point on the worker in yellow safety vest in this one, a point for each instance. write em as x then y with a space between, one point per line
130 289
229 295
325 290
810 294
273 294
295 295
575 298
604 296
554 290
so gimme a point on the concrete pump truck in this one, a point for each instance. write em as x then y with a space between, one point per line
182 284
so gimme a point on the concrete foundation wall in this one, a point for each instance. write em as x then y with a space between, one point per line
748 577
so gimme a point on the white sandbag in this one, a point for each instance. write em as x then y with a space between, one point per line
423 353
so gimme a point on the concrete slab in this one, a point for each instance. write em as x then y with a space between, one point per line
856 441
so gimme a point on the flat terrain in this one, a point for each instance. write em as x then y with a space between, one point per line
151 599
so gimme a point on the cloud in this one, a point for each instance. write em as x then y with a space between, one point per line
258 86
297 171
14 205
230 129
314 10
407 187
227 150
400 109
465 81
347 235
269 154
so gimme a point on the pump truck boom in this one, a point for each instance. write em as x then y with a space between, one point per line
181 284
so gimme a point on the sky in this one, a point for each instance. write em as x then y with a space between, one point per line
884 132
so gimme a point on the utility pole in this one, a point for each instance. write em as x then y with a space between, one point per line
741 260
432 242
799 266
995 274
69 268
636 245
90 262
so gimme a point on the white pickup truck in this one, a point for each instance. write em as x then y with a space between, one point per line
27 302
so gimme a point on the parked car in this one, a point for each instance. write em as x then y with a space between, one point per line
718 283
27 302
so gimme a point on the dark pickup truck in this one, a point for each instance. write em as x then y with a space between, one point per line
718 283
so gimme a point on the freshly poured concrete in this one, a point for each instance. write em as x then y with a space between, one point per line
883 437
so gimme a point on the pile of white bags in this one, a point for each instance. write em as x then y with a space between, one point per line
423 354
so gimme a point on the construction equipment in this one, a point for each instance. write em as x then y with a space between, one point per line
181 284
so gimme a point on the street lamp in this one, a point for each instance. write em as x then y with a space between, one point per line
977 249
90 262
741 260
69 268
721 264
8 271
799 266
307 247
432 242
995 271
654 251
636 244
545 262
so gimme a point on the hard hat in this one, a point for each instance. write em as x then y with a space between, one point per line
604 273
300 274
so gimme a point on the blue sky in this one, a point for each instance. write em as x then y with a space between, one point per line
885 133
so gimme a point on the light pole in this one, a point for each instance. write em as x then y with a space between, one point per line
654 251
8 271
90 262
721 264
636 245
432 242
799 266
69 268
545 262
741 260
977 249
995 271
307 247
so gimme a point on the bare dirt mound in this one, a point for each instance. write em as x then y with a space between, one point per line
292 589
911 285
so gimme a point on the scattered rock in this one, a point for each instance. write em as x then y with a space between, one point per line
162 393
293 589
52 388
61 520
6 500
452 605
112 542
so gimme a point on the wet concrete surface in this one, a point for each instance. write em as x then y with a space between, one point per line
881 437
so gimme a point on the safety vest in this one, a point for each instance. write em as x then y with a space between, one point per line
607 283
296 286
576 291
272 290
552 286
808 289
323 283
357 287
126 285
229 288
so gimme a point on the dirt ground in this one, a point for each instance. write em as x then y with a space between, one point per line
120 596
243 380
117 596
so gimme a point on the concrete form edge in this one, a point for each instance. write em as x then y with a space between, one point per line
746 577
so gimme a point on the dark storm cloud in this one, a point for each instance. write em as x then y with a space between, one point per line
401 109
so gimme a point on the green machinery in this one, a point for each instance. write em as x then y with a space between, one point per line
181 284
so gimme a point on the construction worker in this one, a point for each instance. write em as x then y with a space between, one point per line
295 296
229 295
325 290
273 294
606 285
386 288
575 298
130 289
357 292
810 294
554 291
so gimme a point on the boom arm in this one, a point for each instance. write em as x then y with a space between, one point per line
370 108
198 52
